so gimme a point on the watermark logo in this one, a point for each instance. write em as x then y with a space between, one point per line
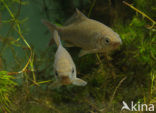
137 106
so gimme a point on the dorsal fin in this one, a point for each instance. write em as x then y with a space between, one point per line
78 16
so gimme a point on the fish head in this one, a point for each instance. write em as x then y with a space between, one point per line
65 70
107 40
111 41
65 76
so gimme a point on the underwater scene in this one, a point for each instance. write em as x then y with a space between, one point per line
77 56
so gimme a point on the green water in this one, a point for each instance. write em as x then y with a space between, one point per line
127 74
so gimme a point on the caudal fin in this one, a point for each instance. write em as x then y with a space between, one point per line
50 26
57 38
79 82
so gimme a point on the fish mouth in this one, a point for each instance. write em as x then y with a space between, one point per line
116 45
65 80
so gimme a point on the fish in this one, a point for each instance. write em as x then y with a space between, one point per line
64 67
90 35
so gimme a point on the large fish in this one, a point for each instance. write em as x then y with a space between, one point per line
64 66
88 34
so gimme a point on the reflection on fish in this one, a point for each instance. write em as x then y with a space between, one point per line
64 66
88 34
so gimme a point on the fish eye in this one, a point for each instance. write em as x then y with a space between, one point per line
107 40
72 70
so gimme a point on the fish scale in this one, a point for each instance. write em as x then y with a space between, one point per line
64 67
90 35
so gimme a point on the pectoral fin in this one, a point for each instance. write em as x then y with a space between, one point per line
79 82
84 52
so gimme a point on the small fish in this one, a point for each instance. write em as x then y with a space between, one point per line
64 67
88 34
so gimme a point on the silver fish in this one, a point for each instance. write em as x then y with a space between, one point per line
64 67
88 34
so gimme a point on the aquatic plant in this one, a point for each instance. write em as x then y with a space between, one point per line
127 74
7 87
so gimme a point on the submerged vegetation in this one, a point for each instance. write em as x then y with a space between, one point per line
26 62
6 88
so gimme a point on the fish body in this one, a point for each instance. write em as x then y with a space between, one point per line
88 34
64 67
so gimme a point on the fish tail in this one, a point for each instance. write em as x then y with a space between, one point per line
50 26
57 38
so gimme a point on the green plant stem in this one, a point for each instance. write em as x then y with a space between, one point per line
91 7
19 32
143 14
